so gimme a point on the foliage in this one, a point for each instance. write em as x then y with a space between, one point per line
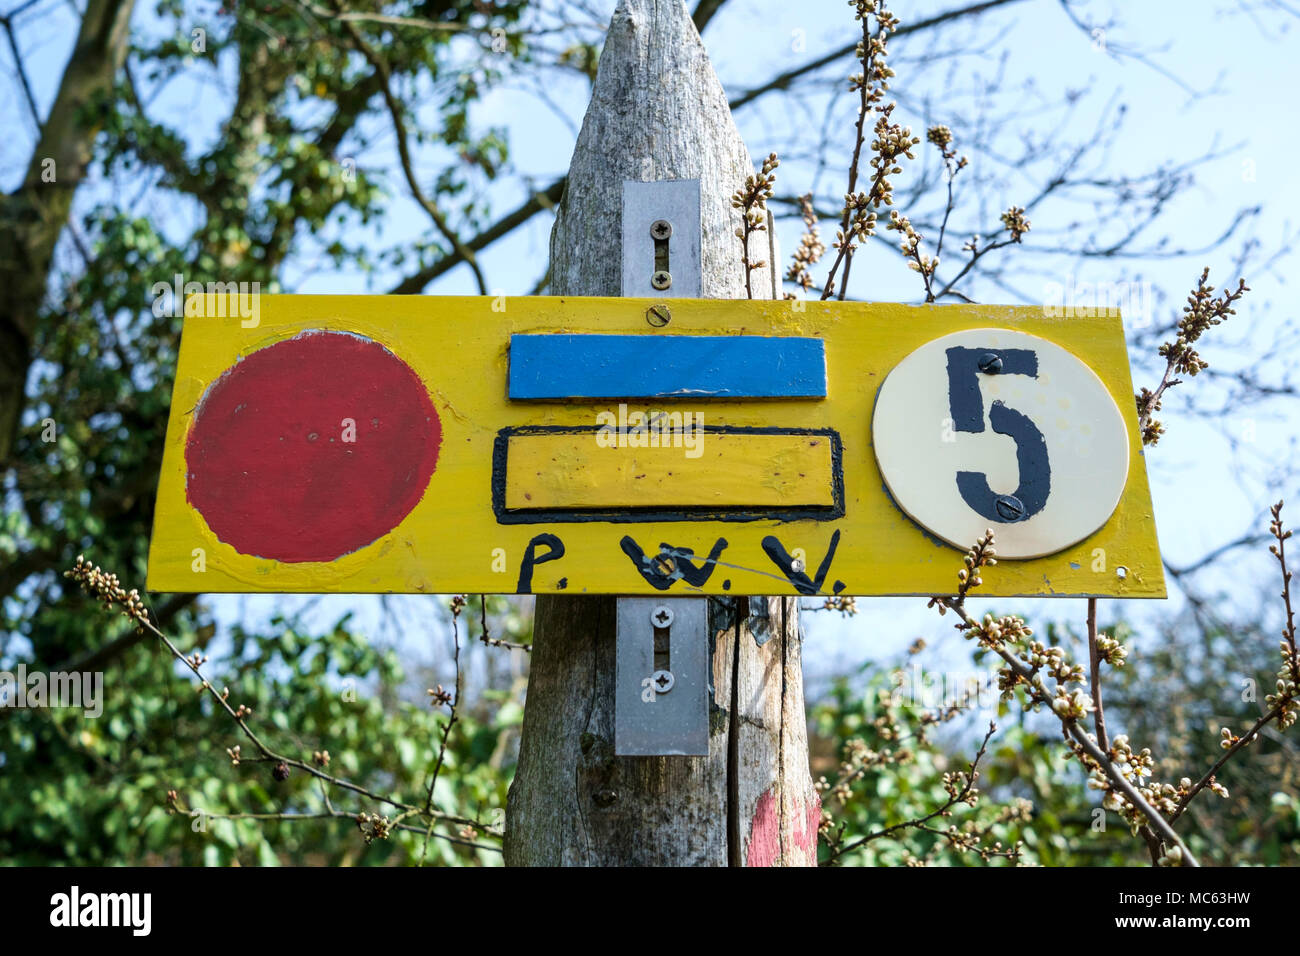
85 792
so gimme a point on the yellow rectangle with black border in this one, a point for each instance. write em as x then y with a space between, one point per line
741 474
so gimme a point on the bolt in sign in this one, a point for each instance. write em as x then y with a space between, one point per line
638 446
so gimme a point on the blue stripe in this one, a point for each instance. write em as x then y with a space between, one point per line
666 366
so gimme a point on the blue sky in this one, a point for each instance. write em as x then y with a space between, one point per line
1214 79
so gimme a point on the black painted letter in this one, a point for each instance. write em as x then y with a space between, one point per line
802 583
671 563
556 550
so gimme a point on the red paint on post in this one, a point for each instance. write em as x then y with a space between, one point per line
806 839
765 833
277 471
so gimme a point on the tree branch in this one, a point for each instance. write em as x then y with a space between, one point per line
6 21
549 197
380 65
783 80
1094 660
33 217
919 823
546 199
704 12
106 588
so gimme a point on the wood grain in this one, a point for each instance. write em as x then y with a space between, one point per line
657 112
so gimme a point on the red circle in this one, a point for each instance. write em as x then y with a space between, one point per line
311 448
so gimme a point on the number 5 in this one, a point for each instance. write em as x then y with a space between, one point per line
965 365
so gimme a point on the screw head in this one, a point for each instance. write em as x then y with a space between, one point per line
661 280
605 798
662 616
1009 507
664 565
662 681
990 363
661 229
658 316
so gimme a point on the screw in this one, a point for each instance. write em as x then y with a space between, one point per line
605 798
661 280
662 616
1009 507
661 229
662 681
658 316
990 363
664 565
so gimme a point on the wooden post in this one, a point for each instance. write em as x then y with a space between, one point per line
658 112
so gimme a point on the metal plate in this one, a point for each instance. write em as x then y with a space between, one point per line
992 428
648 724
678 202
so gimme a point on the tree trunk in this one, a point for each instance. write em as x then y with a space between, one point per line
33 216
658 112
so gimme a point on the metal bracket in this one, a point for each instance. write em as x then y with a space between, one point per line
661 240
661 688
661 684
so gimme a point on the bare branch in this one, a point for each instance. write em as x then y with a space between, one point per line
107 589
1094 660
704 12
404 156
957 794
538 201
6 21
782 81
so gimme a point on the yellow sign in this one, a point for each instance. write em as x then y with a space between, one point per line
566 445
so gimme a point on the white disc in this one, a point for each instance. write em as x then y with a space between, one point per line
1039 439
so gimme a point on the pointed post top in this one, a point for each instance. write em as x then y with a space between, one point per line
657 112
